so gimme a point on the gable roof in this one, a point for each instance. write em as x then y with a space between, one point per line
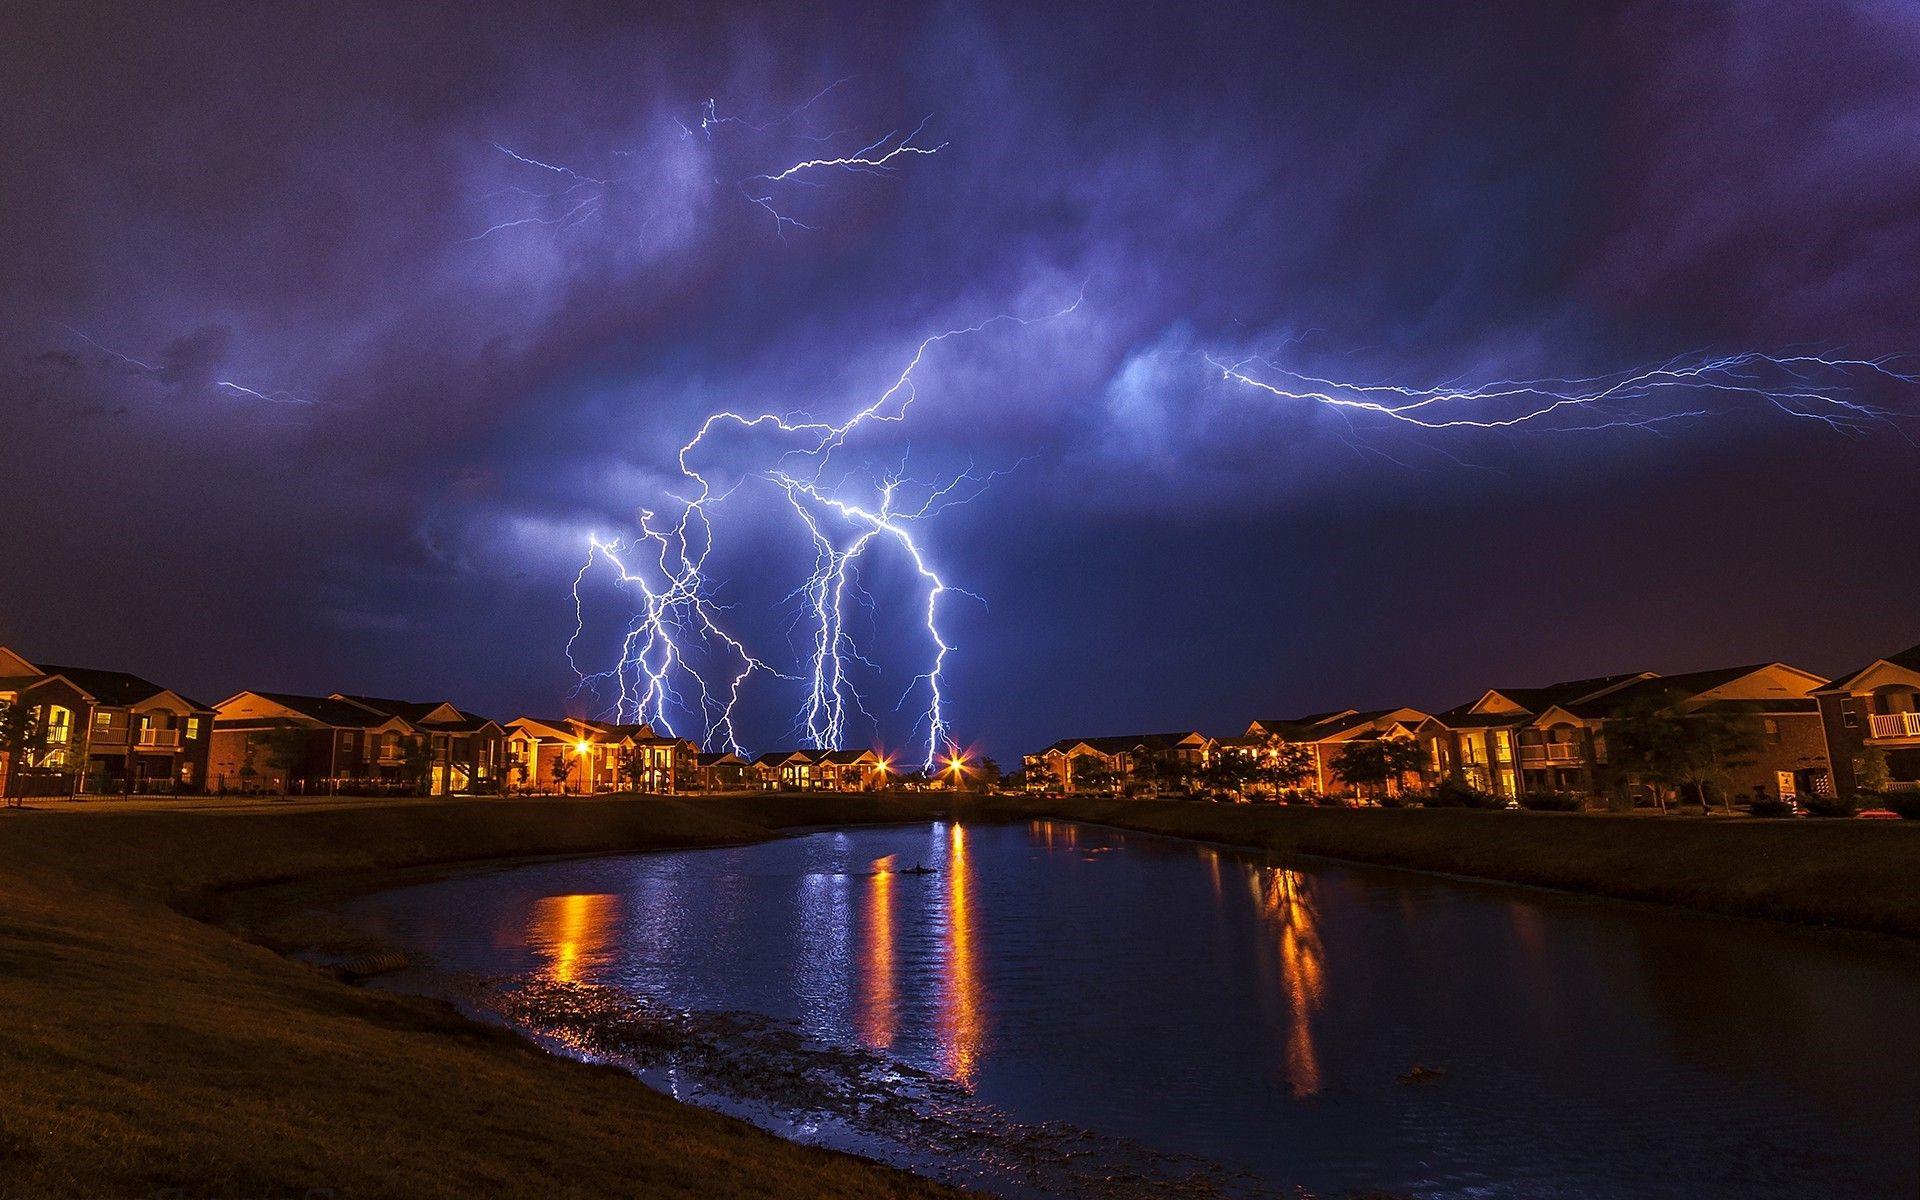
847 758
115 689
436 712
341 714
1906 660
1539 699
1668 690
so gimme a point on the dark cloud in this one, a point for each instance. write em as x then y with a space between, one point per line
503 357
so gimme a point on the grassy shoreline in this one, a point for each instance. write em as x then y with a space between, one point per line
148 1049
1854 875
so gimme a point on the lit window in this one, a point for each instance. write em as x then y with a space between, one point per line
102 719
59 726
193 727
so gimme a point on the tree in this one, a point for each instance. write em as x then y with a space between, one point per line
1284 765
1150 765
1694 751
517 772
633 768
1230 772
562 769
286 752
22 739
416 763
1403 757
1870 773
1364 765
1090 773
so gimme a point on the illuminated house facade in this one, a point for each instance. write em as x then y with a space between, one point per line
330 745
722 772
573 756
819 771
1870 718
101 732
1084 764
465 753
1328 736
1512 741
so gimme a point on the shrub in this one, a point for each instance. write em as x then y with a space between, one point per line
1831 806
1399 800
1545 801
1771 806
1455 792
1905 801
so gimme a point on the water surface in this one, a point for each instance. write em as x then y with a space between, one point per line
1332 1028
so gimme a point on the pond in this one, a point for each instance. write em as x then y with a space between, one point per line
1055 1008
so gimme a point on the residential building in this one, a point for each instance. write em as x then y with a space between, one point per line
723 771
578 756
465 753
1789 756
1505 743
1870 717
1328 736
100 731
1081 764
285 742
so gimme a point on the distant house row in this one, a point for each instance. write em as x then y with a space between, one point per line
1806 735
79 730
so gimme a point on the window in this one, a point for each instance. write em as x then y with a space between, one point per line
59 726
1850 718
102 720
193 727
1772 729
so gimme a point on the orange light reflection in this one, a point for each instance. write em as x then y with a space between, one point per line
1287 903
574 931
960 1016
875 1018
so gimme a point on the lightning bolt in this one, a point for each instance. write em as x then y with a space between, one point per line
159 372
677 656
1810 387
577 196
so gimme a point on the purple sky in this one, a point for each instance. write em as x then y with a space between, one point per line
295 199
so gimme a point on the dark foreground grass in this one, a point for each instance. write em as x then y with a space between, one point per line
144 1052
1861 875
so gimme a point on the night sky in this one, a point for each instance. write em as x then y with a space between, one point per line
296 199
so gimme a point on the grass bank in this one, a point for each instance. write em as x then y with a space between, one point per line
1845 874
145 1051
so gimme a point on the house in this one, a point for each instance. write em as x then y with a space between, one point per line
465 753
1870 717
849 770
723 771
285 742
1500 743
1327 737
1092 764
574 755
98 731
782 770
1512 741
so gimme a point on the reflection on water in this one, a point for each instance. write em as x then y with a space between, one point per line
960 1020
1285 900
876 993
575 932
1255 1014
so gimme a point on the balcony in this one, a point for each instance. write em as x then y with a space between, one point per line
1894 725
159 739
1552 754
